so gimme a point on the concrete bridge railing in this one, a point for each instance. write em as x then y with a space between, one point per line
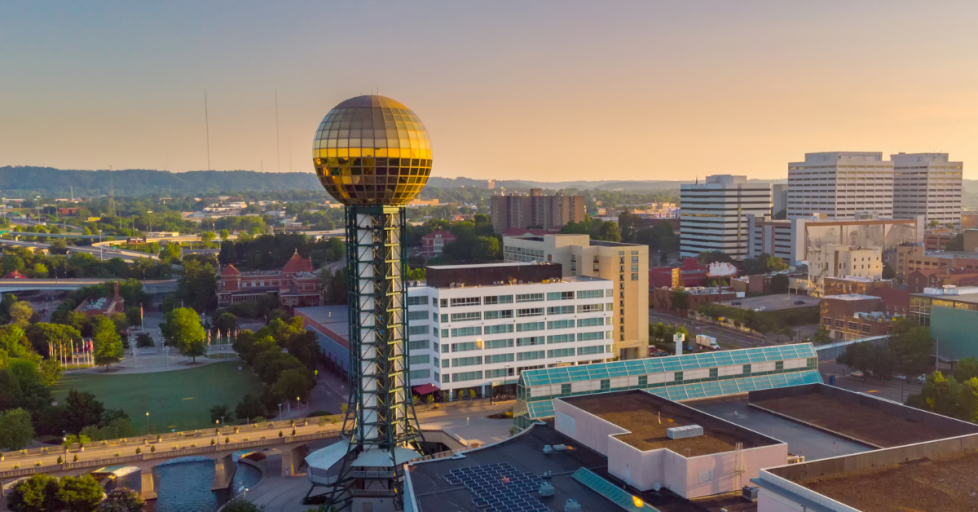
171 454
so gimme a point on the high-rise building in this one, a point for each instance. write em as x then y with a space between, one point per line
779 198
477 327
792 240
927 184
841 185
536 210
844 261
713 215
372 154
625 265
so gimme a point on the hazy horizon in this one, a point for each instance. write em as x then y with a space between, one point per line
549 91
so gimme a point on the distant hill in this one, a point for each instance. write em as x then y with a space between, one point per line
46 181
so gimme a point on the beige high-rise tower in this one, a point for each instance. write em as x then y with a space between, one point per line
626 265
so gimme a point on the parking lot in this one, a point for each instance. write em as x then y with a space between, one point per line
773 302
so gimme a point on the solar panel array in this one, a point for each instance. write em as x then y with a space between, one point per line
499 487
610 491
600 371
545 408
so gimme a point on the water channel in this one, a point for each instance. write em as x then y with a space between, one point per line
185 485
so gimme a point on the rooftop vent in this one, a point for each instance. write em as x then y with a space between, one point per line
684 432
546 489
572 505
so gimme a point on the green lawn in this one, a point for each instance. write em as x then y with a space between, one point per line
178 399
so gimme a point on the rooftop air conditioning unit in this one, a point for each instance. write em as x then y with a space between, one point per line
572 505
684 432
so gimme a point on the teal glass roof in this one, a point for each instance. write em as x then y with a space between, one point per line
545 408
610 491
654 365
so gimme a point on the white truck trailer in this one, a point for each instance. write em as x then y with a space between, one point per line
707 342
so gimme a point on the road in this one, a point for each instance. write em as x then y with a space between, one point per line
893 389
723 335
103 253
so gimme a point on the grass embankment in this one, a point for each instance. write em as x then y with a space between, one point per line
179 399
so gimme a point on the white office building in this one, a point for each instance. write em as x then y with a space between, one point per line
475 327
713 215
927 184
841 185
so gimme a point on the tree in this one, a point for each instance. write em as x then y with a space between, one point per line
609 232
966 369
16 431
335 286
705 258
305 347
207 237
912 346
51 371
224 234
240 504
822 336
955 244
134 316
679 298
198 286
81 410
888 272
221 412
10 392
58 336
226 323
107 342
947 396
81 494
183 330
291 383
779 283
58 246
39 493
486 249
250 407
121 500
21 313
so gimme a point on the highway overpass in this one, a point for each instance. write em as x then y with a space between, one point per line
150 286
99 252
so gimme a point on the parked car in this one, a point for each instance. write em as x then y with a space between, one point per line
800 302
922 379
858 373
735 303
762 308
900 377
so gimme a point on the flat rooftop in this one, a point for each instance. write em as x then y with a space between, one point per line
648 417
946 483
968 298
850 296
866 419
812 443
524 453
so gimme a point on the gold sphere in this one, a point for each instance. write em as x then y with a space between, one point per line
372 150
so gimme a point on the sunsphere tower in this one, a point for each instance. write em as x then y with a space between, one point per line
373 155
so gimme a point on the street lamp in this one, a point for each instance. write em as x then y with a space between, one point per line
297 404
147 422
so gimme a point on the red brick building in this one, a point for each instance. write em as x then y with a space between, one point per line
106 306
691 274
661 297
920 279
853 316
295 285
433 243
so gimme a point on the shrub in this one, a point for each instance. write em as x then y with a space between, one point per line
152 449
139 451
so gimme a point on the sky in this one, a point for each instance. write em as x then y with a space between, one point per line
540 90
